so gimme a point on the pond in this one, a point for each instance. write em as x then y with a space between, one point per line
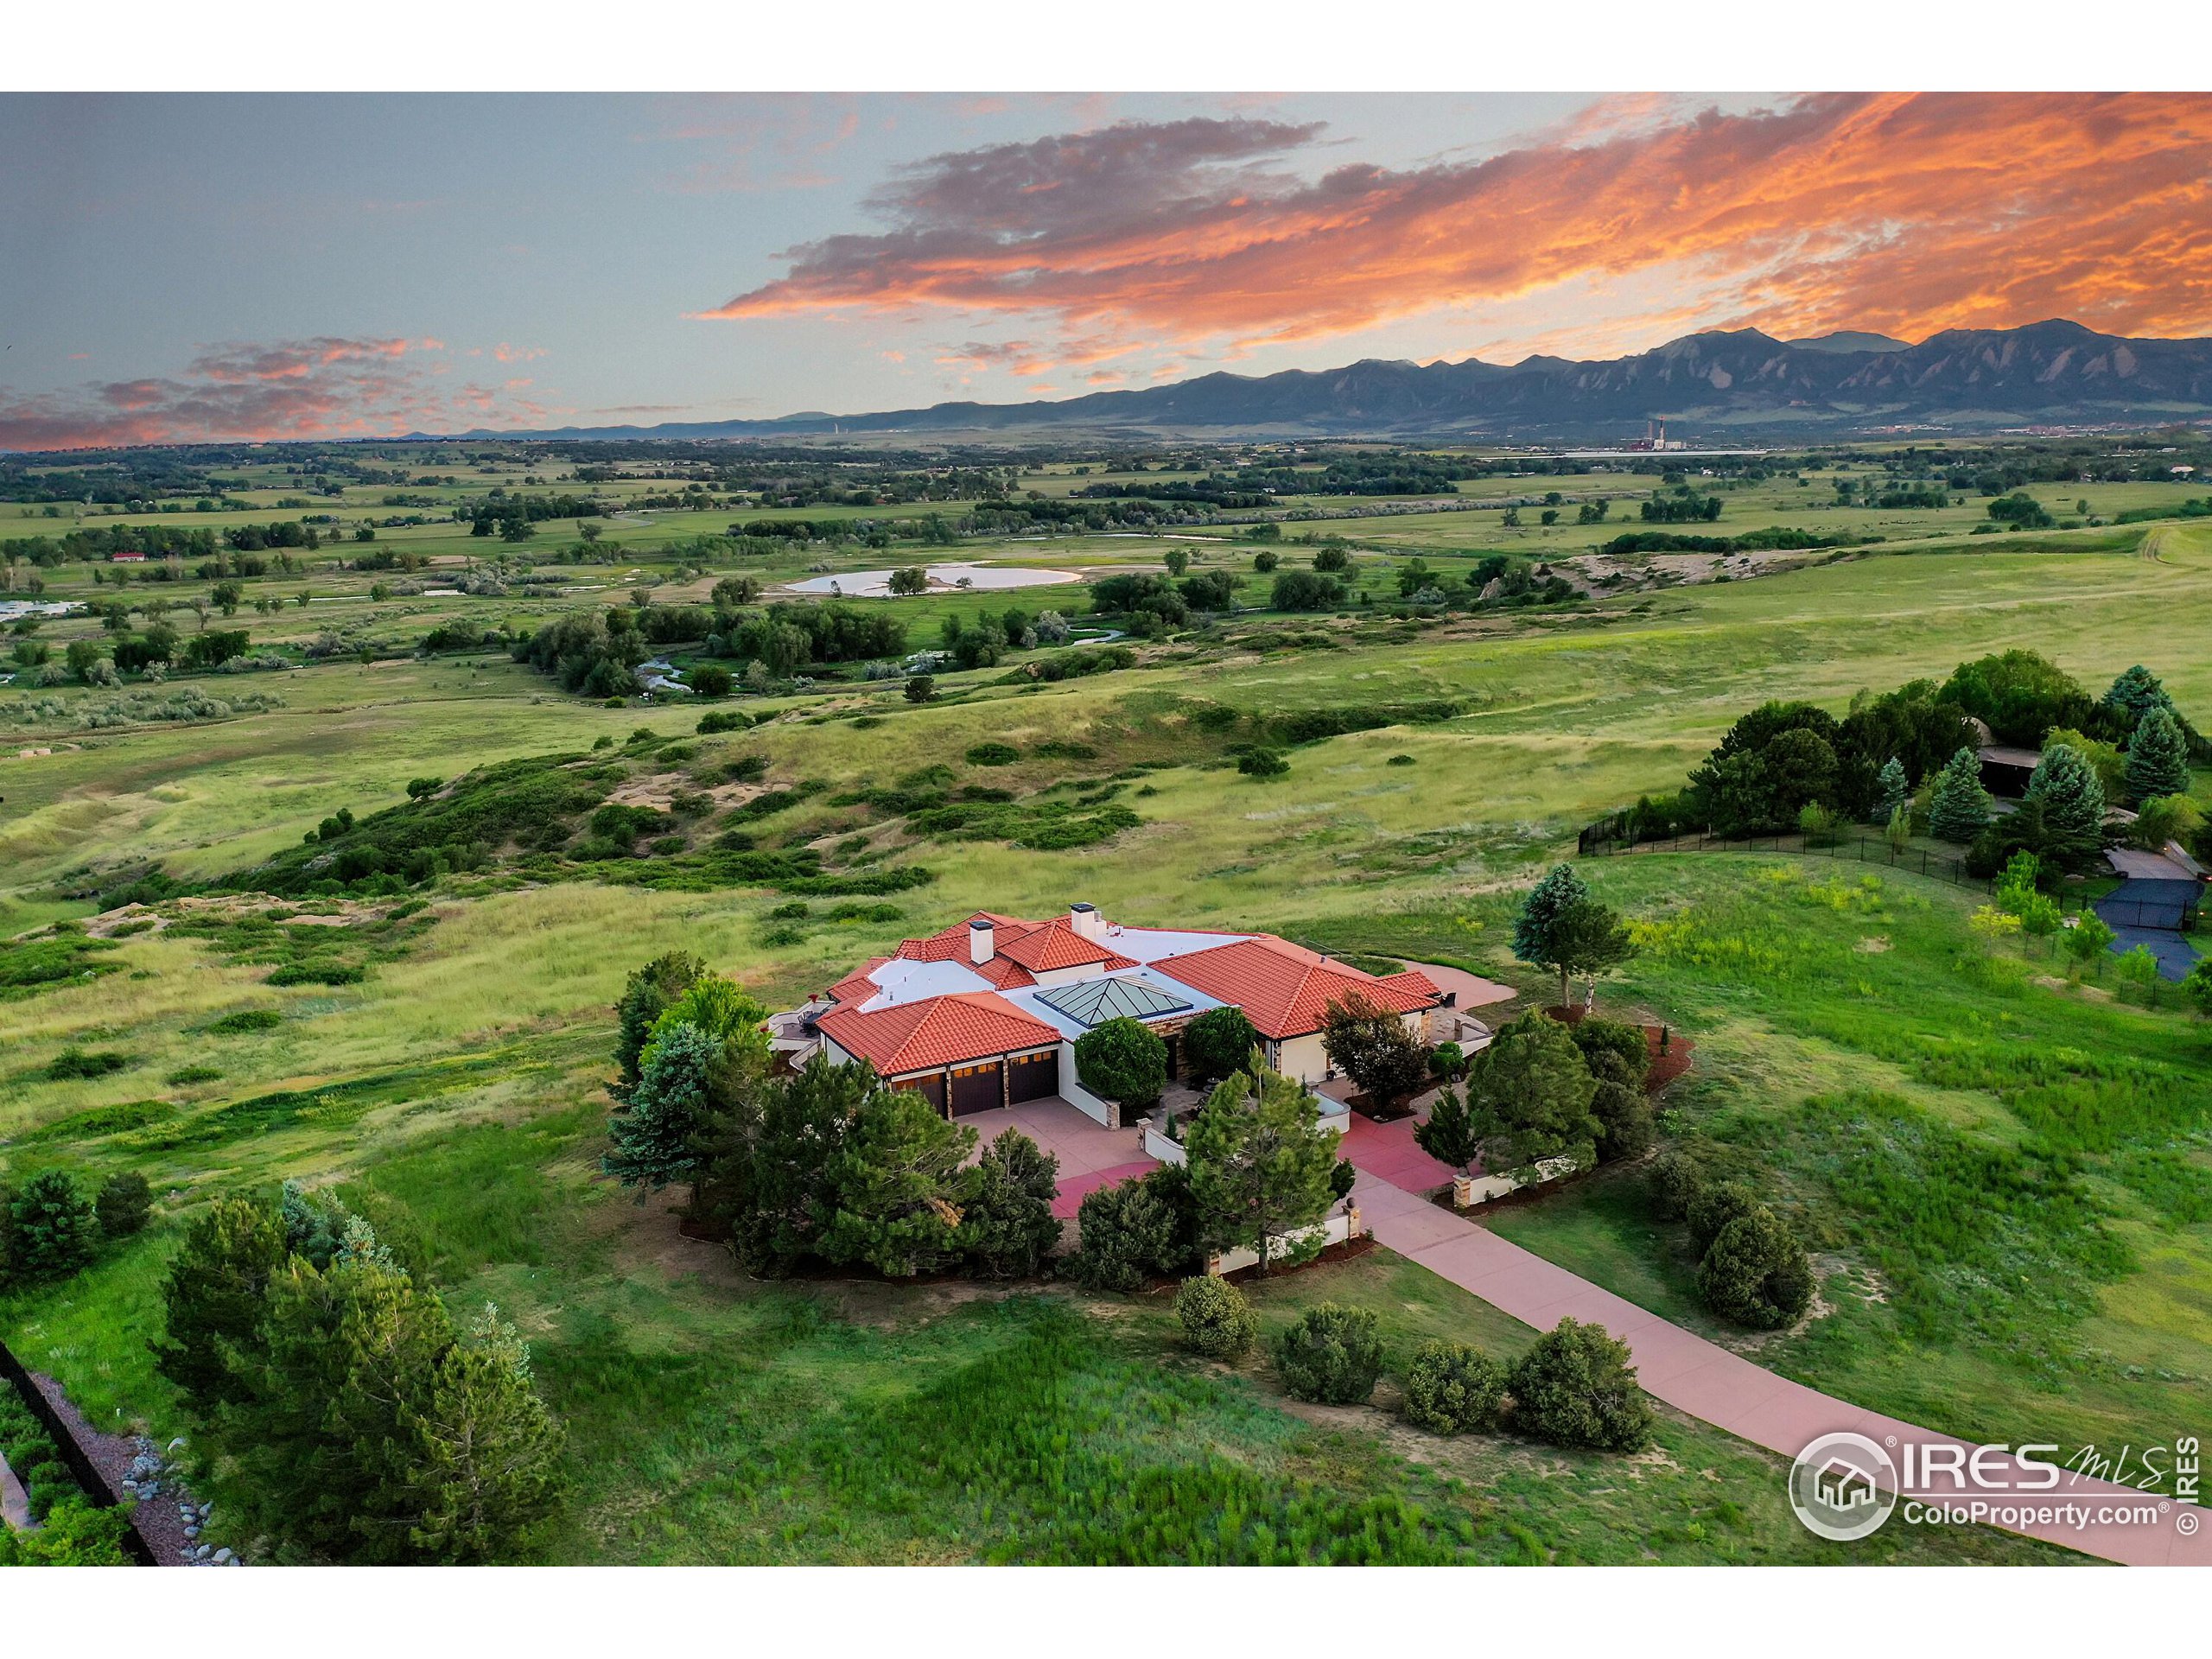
876 584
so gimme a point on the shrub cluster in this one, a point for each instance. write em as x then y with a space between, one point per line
1752 1268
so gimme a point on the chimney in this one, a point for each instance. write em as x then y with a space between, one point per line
982 940
1083 923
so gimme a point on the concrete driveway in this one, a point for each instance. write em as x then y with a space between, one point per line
1090 1155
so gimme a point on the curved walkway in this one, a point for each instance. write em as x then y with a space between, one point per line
1709 1383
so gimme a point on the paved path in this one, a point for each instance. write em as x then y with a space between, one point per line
1706 1381
15 1502
1474 991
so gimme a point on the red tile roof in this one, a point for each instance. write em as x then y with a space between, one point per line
857 987
1056 945
1285 989
939 1031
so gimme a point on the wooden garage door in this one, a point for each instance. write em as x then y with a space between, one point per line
1032 1076
930 1087
977 1088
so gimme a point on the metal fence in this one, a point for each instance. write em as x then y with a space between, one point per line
1857 849
1875 851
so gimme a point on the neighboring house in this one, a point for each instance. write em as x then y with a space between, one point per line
987 1012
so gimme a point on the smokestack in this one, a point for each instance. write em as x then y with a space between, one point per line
1083 923
982 940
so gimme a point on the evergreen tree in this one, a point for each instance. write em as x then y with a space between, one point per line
891 1181
653 1139
2135 694
490 1472
1530 1092
1960 808
1451 1135
125 1203
1218 1041
48 1228
321 1435
2065 786
1261 1165
1892 790
2157 757
645 997
1536 927
1006 1222
803 1125
213 1299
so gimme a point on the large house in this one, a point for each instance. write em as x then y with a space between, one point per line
987 1012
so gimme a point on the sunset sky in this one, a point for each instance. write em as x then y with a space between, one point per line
183 267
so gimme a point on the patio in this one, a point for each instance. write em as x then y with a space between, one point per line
1091 1155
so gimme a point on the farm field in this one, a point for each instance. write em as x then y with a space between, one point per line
1945 1118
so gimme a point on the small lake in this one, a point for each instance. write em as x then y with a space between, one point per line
876 584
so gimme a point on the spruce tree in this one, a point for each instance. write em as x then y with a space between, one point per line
2135 694
1892 790
645 998
651 1140
1960 808
2065 785
2158 758
892 1182
1537 923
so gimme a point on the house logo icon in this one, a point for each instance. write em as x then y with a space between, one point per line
1843 1486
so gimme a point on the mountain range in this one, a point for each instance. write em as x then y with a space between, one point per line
1724 386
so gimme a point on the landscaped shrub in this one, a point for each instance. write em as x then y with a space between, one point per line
1452 1389
1121 1060
722 719
1677 1182
1330 1355
318 973
1131 1234
1756 1271
125 1203
1218 1042
1620 1106
1217 1319
1715 1208
1576 1387
73 1533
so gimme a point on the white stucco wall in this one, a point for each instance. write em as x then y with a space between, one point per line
1073 1092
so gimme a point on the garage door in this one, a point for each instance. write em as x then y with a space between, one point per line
930 1087
1032 1076
977 1088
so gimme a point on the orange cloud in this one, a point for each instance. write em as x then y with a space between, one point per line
323 388
1904 213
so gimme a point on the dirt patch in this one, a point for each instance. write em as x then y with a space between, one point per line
1872 945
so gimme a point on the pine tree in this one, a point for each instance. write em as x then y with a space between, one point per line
1960 808
490 1472
2065 785
48 1228
1531 1089
1006 1222
213 1298
2158 758
651 1140
891 1186
1892 790
1261 1164
2135 694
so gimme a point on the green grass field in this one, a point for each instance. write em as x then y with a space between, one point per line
715 1418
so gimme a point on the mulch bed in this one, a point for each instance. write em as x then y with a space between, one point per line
156 1518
